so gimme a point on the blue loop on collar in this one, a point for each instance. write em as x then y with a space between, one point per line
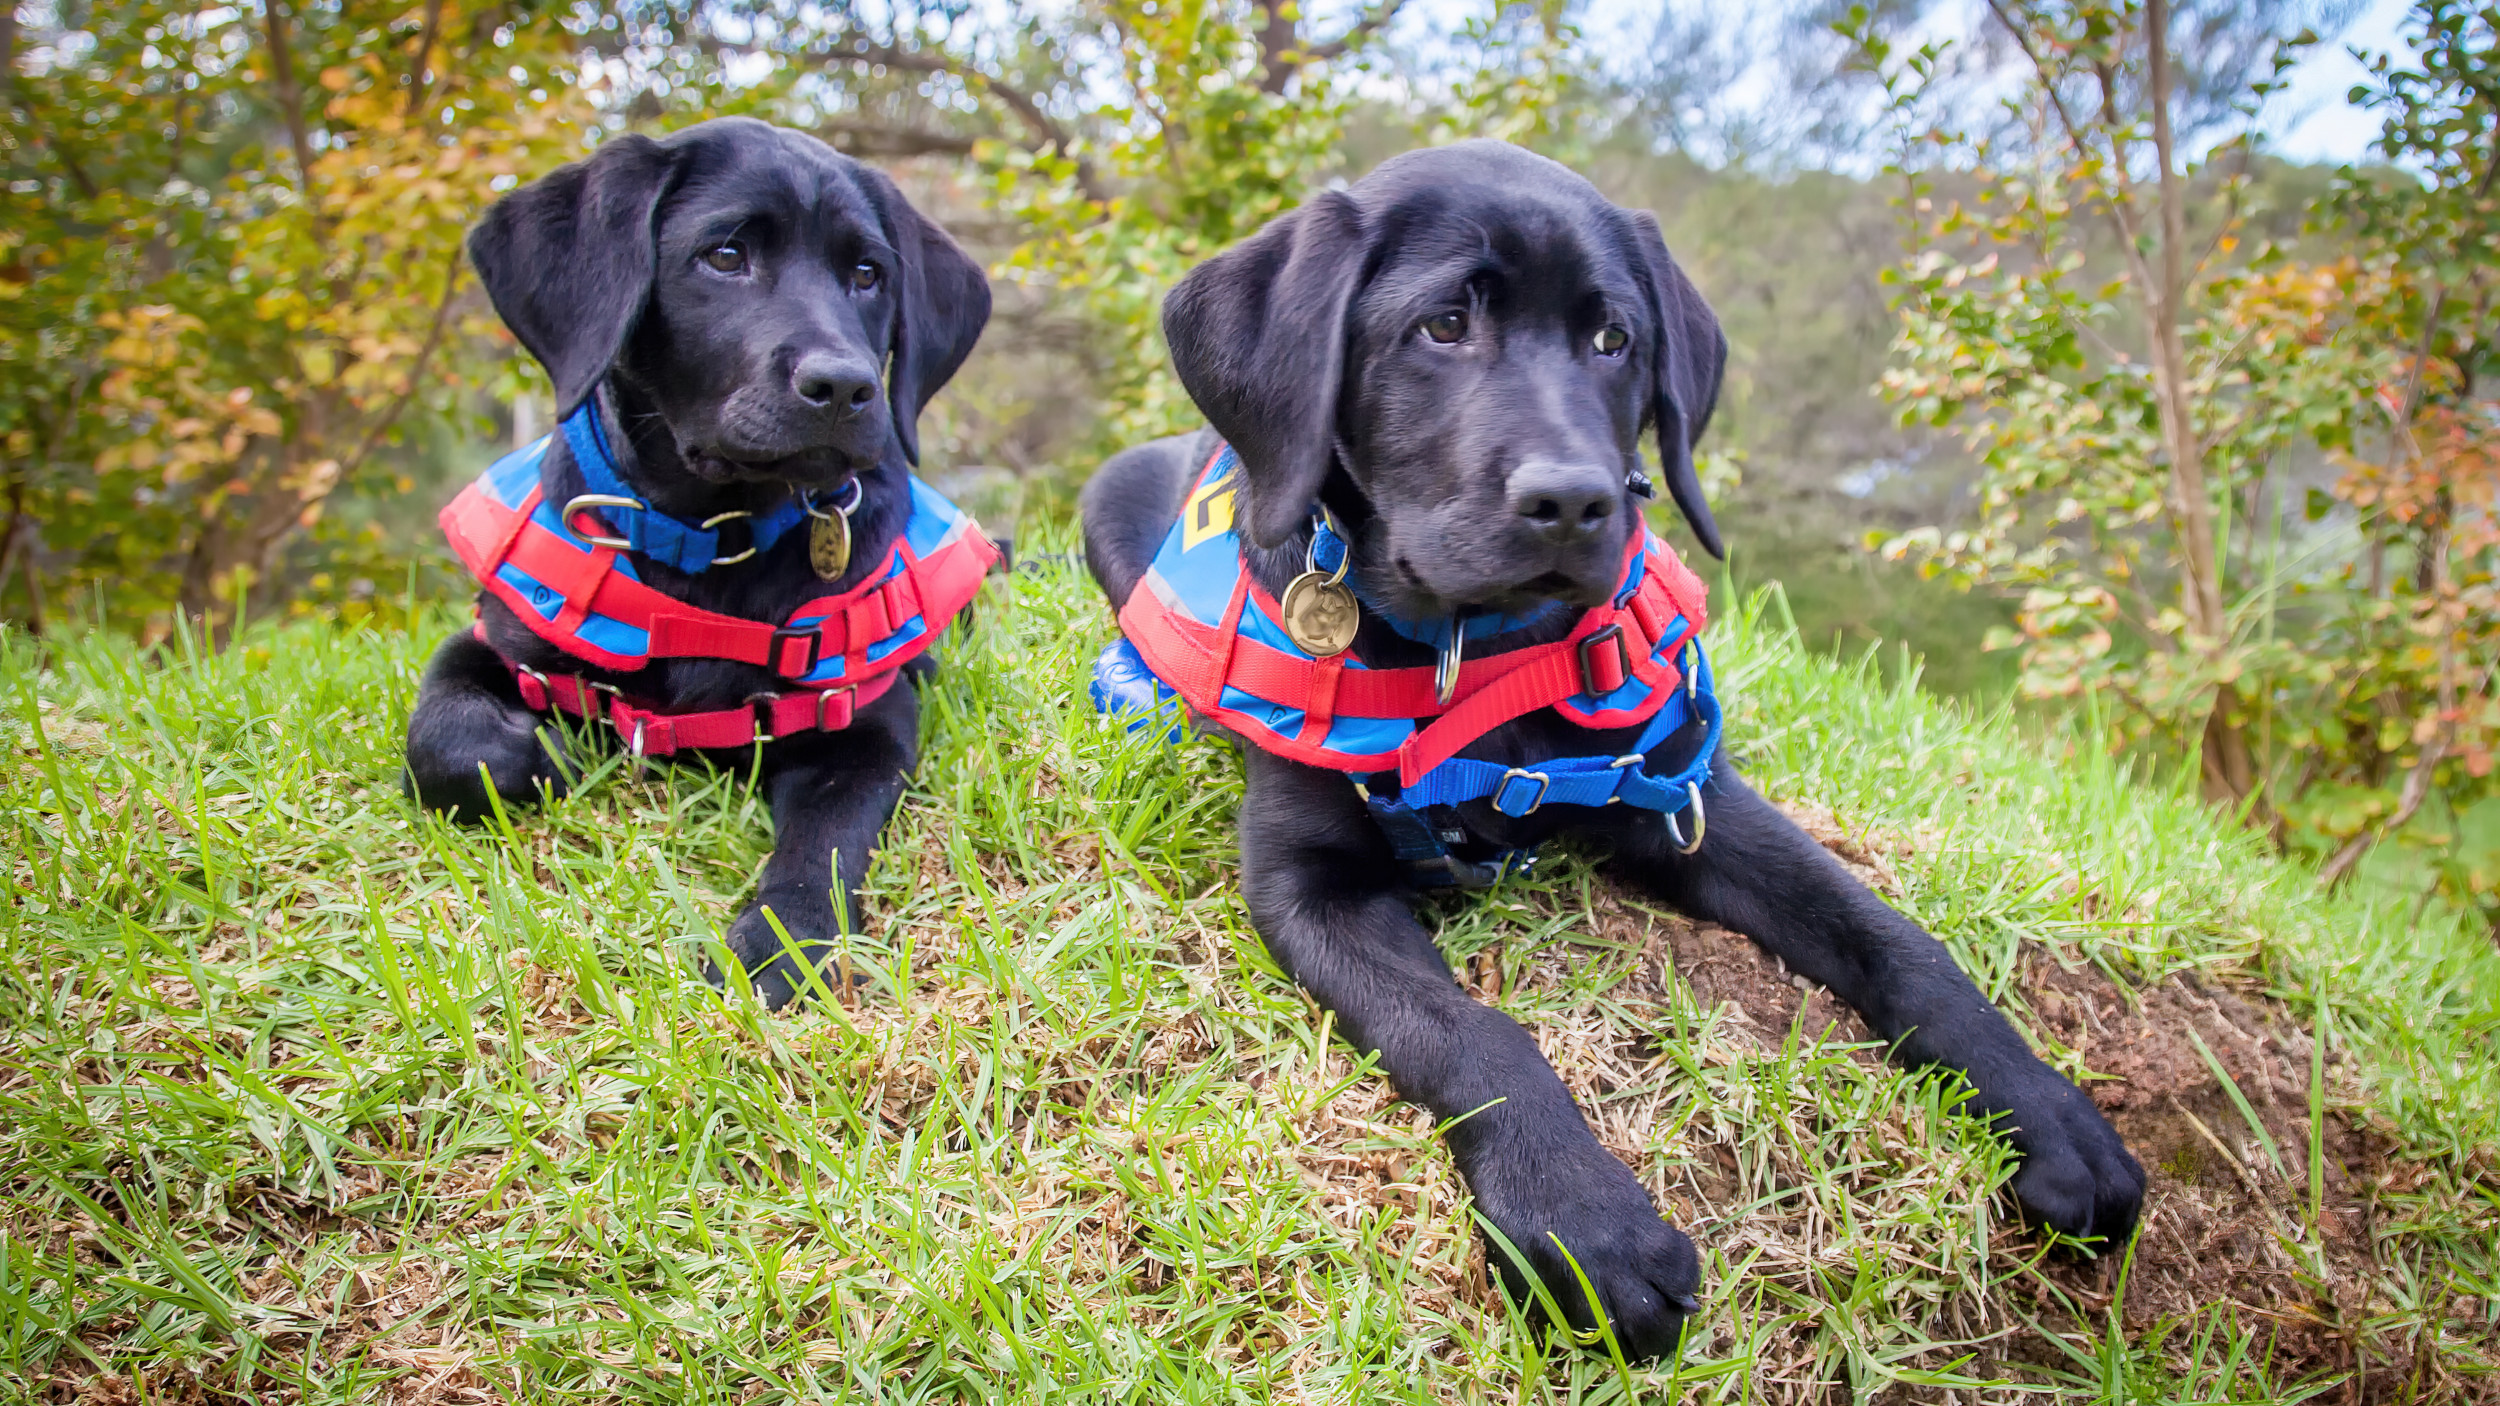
648 532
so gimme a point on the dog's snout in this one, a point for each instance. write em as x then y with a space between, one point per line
831 382
1564 501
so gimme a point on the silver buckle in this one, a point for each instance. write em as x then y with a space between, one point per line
1544 783
1701 820
759 706
823 697
601 500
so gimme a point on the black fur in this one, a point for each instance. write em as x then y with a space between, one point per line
1325 380
732 391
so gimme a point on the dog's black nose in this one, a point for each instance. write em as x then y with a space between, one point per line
831 382
1564 501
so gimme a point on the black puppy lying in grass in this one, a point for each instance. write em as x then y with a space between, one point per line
1448 637
725 547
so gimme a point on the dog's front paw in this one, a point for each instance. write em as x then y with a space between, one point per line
779 969
2077 1176
1644 1270
499 749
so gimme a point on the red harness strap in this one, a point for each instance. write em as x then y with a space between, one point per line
846 625
1608 645
765 718
486 535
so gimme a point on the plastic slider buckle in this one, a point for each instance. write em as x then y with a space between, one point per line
813 632
1501 793
1593 681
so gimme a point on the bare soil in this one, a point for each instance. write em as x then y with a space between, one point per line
2226 1217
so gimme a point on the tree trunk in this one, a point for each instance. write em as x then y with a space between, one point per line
1277 40
2230 771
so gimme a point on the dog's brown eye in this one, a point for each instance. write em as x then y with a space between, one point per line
863 276
727 257
1610 340
1446 327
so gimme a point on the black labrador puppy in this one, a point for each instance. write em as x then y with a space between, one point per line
1450 364
742 324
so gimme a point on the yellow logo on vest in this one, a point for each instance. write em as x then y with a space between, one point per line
1208 513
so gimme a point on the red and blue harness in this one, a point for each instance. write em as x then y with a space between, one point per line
1199 629
581 592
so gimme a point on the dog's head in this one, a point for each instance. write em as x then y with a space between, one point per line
1476 338
750 283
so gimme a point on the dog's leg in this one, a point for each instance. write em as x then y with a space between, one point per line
1323 889
1129 504
1758 874
831 795
469 713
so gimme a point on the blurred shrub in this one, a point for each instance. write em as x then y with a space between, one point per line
2326 650
230 276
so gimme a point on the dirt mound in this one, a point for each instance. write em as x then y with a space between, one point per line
2227 1214
1790 1209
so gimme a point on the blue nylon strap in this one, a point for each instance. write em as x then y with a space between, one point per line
648 531
1428 861
1588 781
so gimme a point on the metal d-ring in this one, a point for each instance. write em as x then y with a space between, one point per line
716 520
601 500
1701 820
845 509
759 710
1445 673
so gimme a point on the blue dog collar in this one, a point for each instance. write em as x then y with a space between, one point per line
689 547
1328 550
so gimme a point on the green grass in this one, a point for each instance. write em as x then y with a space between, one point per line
307 1096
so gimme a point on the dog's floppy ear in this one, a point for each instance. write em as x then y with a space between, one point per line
1258 335
943 303
568 260
1687 360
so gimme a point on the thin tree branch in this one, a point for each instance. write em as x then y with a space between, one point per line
1374 20
873 139
417 85
1282 54
416 370
2048 79
2417 789
290 94
1046 130
8 56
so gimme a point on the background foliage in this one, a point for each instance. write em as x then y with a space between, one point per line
2140 375
2211 432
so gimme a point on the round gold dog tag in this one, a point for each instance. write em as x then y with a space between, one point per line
1319 613
829 545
